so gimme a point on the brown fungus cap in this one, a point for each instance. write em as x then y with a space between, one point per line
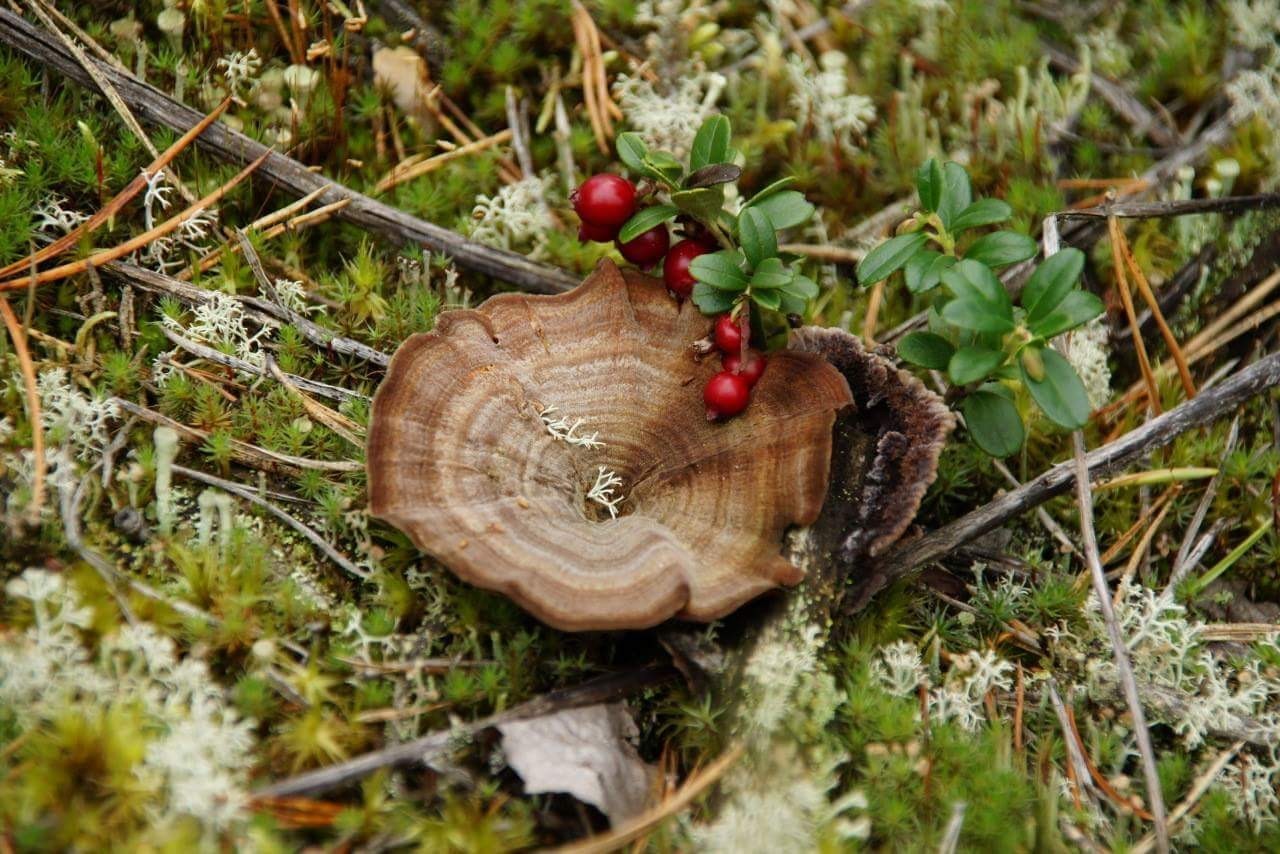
461 459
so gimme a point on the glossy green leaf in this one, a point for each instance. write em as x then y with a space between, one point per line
926 350
976 316
631 150
1076 307
1051 282
1059 393
792 304
645 219
771 273
1001 248
710 300
956 193
785 209
981 212
771 300
929 184
887 258
664 167
802 286
776 187
703 203
757 236
720 270
711 143
970 364
993 422
973 281
924 270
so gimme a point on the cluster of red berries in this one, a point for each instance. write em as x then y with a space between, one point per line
728 392
605 202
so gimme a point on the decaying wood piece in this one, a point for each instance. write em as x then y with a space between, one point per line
769 669
460 456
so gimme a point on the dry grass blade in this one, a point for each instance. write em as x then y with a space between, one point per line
19 337
1122 284
137 185
1144 288
637 827
407 171
1201 785
104 256
1124 669
1139 551
1113 551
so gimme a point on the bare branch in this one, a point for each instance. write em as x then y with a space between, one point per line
1205 408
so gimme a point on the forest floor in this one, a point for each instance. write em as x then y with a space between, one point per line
208 643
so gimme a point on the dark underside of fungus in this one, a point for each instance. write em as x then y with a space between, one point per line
554 448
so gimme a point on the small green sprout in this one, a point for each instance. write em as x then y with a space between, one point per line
988 346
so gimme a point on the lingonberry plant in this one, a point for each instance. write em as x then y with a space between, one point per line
727 263
991 349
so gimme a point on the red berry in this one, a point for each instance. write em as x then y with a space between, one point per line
646 248
728 334
605 200
589 232
751 371
726 395
675 270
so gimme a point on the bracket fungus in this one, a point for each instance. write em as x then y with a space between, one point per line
555 449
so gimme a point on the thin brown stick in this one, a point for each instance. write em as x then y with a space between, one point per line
600 690
305 530
401 173
104 256
1170 340
1122 285
1119 649
646 822
111 208
28 370
244 453
1202 784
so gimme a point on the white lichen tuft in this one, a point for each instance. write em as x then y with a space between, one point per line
517 215
604 491
220 322
1087 351
560 428
822 100
198 749
72 417
53 219
239 68
669 119
779 796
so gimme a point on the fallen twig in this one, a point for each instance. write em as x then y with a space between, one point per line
1119 649
209 354
263 312
289 175
644 823
113 253
244 453
25 365
1203 409
302 528
601 690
